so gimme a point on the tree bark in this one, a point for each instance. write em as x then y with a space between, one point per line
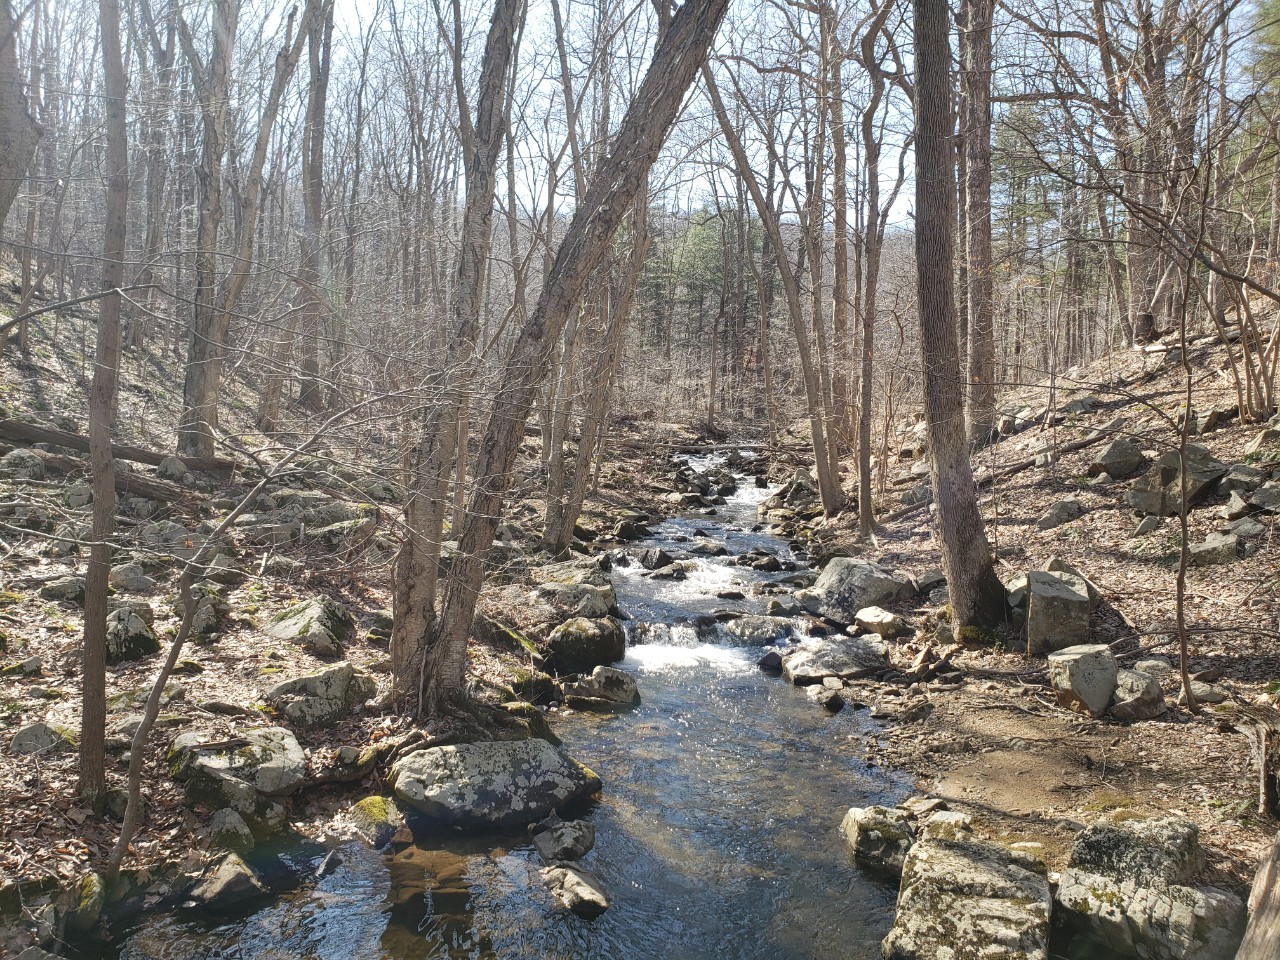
977 596
680 53
19 131
93 703
1262 936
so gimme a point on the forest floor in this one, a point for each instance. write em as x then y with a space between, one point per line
998 745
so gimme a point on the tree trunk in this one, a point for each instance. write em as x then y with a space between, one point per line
18 128
1262 936
680 53
976 80
93 716
977 596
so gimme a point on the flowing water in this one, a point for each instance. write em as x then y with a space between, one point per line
717 835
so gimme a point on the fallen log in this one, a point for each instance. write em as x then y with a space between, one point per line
126 481
20 431
1262 935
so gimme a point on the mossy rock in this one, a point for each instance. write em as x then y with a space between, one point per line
129 636
531 720
378 818
580 644
320 625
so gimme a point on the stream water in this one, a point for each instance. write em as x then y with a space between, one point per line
717 835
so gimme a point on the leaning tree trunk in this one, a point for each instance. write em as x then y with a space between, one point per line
18 128
977 596
101 413
680 53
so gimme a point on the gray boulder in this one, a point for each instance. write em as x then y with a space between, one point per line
970 899
849 658
246 774
131 578
22 465
605 689
229 885
228 829
1266 497
881 622
579 891
1241 477
1159 490
592 601
1119 458
847 585
42 738
322 699
1137 696
582 643
756 630
558 839
1217 548
70 589
1057 611
320 625
1126 887
1064 511
879 837
1084 677
129 634
497 783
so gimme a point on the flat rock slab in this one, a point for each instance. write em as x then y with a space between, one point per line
970 899
849 658
496 783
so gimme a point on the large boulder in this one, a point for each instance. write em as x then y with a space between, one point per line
605 689
129 634
246 774
320 625
970 899
42 738
582 643
757 630
587 600
324 698
1084 677
879 837
1137 696
229 885
1217 548
849 658
1159 491
22 464
1126 887
495 783
1057 611
1119 458
847 585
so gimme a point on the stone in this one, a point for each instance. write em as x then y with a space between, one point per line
1217 548
1268 437
655 558
131 578
1155 666
1126 887
564 839
1159 490
246 774
224 570
582 643
881 622
605 689
22 465
70 589
1241 477
1236 506
1266 497
1204 693
1057 611
171 468
970 899
579 891
42 738
847 585
228 829
1119 458
129 634
879 837
320 625
496 783
229 885
757 631
322 699
1137 696
211 607
1246 528
1066 571
771 662
946 825
1064 511
378 818
849 658
1084 677
90 897
1148 525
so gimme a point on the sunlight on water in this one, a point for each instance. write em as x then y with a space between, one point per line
652 658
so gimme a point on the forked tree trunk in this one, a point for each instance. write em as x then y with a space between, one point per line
101 413
417 566
977 596
680 53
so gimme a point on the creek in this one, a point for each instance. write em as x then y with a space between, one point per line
717 832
